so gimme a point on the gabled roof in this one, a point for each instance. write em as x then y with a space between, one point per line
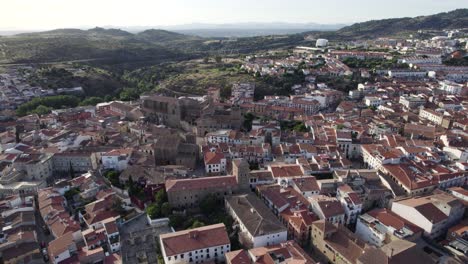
213 158
194 239
254 215
174 185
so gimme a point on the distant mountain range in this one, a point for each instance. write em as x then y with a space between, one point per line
197 40
247 29
388 27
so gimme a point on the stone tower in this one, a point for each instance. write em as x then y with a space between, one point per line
241 169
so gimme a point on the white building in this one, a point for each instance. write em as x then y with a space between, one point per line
351 203
434 213
321 43
215 163
379 226
372 101
459 192
451 87
407 74
432 116
116 159
198 245
259 227
220 136
412 101
328 209
374 156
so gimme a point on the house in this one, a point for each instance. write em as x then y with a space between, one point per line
458 237
306 185
19 246
379 226
339 245
198 245
74 161
351 203
215 163
459 192
434 213
410 177
62 248
284 173
328 208
287 252
116 159
259 227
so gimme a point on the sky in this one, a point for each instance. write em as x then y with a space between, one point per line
51 14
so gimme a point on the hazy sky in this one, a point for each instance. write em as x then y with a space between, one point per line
49 14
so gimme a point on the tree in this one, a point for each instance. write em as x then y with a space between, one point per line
153 211
129 94
166 209
91 101
160 197
42 110
113 177
17 136
71 193
197 224
118 206
176 221
210 204
71 171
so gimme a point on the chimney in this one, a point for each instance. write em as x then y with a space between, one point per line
193 234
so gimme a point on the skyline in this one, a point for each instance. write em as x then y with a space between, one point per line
52 14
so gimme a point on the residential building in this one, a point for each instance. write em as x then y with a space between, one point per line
287 252
380 226
198 245
435 213
116 159
258 226
328 208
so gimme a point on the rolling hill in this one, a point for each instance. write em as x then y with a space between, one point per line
390 27
115 46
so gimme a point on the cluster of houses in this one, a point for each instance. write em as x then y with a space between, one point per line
378 175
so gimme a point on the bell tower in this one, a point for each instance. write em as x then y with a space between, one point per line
241 169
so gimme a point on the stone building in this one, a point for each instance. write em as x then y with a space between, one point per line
175 150
189 192
217 118
78 161
171 111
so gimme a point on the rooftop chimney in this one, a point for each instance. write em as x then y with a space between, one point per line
193 234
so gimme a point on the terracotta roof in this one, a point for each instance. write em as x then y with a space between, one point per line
60 245
389 218
200 183
238 257
194 239
213 158
342 241
331 208
306 184
286 171
255 215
